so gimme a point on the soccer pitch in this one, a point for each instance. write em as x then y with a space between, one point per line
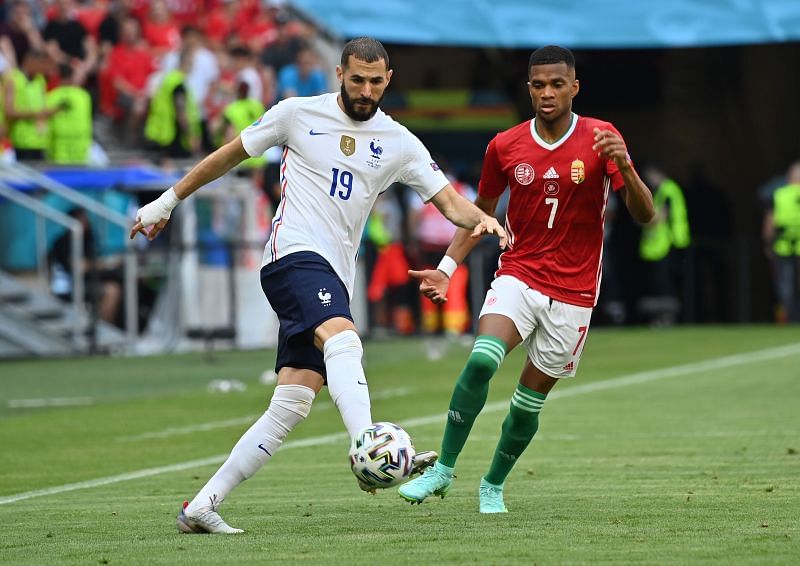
679 446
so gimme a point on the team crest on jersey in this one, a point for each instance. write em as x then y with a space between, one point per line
347 145
551 188
577 172
376 150
524 174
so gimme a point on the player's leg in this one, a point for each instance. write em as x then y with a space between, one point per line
501 324
290 404
554 352
343 353
518 429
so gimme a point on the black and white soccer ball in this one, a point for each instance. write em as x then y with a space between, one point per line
382 455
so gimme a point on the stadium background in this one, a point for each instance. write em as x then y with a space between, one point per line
706 90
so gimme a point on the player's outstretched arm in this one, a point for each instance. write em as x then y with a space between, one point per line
155 215
464 214
637 197
433 283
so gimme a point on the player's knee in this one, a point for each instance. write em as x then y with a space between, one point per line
293 399
481 367
345 342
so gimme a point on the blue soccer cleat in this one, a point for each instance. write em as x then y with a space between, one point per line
491 498
432 482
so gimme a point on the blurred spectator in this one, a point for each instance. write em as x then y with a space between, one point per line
173 122
284 50
70 128
111 26
90 14
255 27
304 77
103 288
124 80
782 238
245 71
662 240
21 30
186 12
220 23
160 30
25 107
237 116
67 40
388 291
433 236
200 78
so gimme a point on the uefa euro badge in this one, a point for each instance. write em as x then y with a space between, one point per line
577 172
347 145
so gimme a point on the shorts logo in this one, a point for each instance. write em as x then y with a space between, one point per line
324 297
347 145
569 367
577 172
491 300
551 188
524 174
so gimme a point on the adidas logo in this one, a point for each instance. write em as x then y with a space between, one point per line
455 416
569 367
551 174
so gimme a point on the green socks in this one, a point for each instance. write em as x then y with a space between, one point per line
518 429
469 395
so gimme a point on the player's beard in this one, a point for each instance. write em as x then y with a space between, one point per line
359 115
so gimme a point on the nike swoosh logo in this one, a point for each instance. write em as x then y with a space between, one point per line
313 133
361 382
264 449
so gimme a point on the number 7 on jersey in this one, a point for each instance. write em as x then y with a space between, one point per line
554 203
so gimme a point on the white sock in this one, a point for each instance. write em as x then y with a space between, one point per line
290 404
346 382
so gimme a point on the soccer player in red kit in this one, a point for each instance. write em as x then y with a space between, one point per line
559 168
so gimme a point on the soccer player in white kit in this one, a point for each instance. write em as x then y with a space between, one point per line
340 151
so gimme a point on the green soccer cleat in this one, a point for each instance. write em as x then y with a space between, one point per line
432 482
491 498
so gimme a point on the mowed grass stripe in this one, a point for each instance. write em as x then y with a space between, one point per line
604 385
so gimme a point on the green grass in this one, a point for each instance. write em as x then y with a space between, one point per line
698 468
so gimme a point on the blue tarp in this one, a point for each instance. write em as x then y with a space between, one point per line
571 23
111 186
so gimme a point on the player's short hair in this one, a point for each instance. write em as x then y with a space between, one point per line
365 49
551 55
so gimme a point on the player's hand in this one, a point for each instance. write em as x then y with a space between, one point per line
609 145
432 283
490 225
155 215
141 228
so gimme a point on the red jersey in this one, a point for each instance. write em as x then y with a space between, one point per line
558 195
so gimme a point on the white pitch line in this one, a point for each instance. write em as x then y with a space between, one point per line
239 421
49 402
605 385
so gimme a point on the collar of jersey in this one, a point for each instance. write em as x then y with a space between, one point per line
560 140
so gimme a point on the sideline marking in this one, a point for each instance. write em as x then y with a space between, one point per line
49 402
612 383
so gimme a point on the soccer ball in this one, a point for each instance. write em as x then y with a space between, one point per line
382 455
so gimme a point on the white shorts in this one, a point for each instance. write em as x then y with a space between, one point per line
552 332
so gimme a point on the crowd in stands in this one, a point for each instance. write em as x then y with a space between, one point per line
163 73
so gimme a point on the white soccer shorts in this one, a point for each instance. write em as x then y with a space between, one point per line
553 333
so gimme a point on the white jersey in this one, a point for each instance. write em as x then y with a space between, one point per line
332 170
